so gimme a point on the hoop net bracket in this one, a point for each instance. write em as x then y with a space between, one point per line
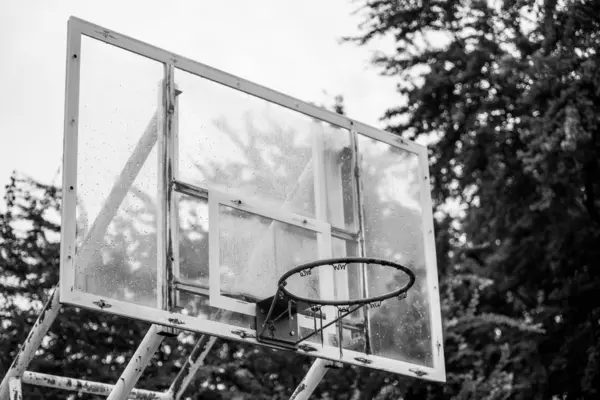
277 316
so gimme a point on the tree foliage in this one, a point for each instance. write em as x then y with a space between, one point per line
506 92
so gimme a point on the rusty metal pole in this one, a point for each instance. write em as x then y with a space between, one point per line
192 365
31 344
312 378
136 366
83 386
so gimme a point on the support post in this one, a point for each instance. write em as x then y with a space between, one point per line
312 378
31 344
166 210
14 386
136 366
192 365
83 386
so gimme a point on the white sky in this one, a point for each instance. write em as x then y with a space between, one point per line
292 47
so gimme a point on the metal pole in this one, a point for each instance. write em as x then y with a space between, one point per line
83 386
31 344
14 385
191 366
166 212
362 249
311 380
137 364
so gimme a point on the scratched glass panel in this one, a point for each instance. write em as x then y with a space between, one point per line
255 251
399 329
245 146
193 239
117 174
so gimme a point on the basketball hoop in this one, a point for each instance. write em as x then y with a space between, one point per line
284 305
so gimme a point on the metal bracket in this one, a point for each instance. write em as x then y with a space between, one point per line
277 321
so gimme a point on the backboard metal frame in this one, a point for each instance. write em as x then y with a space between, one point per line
166 123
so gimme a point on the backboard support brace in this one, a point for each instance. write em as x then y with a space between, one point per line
11 386
17 374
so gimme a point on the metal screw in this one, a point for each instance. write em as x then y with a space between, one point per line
292 333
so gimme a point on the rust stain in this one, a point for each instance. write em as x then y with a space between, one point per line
176 321
299 390
363 360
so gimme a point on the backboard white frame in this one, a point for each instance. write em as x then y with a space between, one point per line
70 295
215 200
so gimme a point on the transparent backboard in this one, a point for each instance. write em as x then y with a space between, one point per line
188 192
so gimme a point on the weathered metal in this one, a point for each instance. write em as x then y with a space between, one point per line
312 378
136 366
83 386
192 365
31 344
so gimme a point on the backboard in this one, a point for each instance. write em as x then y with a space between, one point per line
188 192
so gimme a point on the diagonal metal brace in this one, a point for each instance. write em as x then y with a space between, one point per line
31 344
312 378
192 365
136 366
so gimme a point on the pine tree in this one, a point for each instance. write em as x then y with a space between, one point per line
508 97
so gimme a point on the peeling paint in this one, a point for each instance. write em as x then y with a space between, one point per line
176 321
71 384
298 390
32 342
363 360
194 361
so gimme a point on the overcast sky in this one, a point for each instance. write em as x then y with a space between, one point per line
289 46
